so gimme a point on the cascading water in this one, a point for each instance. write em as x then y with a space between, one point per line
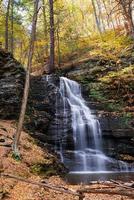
85 154
86 129
87 138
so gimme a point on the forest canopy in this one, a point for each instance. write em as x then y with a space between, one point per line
78 26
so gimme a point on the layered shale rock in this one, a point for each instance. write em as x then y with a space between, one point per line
42 104
12 77
46 114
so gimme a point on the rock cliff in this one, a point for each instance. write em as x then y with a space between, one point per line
12 77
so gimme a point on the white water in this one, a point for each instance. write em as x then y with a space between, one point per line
88 153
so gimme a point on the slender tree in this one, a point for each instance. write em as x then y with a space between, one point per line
107 15
58 43
96 17
45 27
52 40
27 81
101 21
6 25
125 8
12 31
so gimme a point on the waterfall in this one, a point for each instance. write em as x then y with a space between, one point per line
86 129
86 153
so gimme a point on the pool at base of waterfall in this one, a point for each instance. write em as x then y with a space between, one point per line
78 177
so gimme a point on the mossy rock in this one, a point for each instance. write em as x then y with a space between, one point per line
47 170
43 170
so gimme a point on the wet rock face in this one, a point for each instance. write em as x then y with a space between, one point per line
47 118
42 105
118 139
12 77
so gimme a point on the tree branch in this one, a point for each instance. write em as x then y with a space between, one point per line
79 192
98 191
67 191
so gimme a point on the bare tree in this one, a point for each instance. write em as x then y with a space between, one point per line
52 40
27 81
125 7
127 12
6 25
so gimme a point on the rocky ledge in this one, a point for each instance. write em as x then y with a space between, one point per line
40 109
12 77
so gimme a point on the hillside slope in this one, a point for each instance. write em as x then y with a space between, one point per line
107 75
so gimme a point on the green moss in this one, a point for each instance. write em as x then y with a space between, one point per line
16 156
43 170
126 118
97 95
50 172
113 107
122 73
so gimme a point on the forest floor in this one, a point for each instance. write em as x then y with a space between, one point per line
28 167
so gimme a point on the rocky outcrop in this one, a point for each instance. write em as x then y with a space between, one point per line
41 105
118 139
40 109
40 118
41 102
46 116
12 77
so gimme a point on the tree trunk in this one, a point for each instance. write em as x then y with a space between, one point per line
45 28
131 25
111 16
107 15
127 13
58 45
131 18
21 52
96 17
102 24
12 31
6 25
52 41
27 81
